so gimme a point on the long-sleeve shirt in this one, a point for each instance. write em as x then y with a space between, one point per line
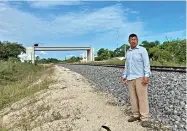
137 63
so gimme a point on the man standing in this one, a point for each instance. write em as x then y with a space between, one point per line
136 73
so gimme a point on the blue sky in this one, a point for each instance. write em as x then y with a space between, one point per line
97 24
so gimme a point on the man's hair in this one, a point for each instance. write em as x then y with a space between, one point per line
133 35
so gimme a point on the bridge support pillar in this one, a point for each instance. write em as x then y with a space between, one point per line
90 55
33 56
30 54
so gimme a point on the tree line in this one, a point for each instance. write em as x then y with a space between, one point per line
47 61
72 59
54 60
174 51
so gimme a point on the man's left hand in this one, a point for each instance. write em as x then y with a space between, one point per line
145 80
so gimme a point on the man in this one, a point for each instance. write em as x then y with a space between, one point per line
136 74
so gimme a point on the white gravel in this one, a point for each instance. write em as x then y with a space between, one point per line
167 92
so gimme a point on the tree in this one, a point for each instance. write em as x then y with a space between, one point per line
100 51
149 45
8 49
121 50
37 58
73 59
152 52
48 60
111 53
177 49
104 54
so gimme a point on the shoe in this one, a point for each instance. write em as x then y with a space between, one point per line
145 124
132 119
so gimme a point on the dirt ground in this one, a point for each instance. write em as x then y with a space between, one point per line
70 104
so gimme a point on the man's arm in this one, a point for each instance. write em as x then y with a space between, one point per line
124 76
146 63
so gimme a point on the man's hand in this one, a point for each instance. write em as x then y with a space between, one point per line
145 80
123 80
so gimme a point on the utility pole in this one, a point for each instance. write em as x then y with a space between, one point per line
117 38
108 55
117 42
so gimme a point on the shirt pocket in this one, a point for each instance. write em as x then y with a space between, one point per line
137 57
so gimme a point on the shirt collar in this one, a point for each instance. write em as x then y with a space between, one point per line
137 47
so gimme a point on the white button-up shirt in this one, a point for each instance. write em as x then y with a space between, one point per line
137 63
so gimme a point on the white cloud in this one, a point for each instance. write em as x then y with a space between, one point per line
131 11
22 26
43 52
174 34
47 4
16 25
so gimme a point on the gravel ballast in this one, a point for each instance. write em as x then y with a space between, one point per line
167 92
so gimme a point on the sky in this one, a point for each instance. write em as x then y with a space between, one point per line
100 24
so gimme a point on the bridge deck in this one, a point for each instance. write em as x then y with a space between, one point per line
60 48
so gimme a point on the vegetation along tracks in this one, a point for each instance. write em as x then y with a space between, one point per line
153 68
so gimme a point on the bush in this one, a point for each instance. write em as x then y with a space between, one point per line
13 59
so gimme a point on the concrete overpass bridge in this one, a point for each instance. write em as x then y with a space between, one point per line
30 51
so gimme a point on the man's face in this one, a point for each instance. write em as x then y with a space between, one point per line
133 41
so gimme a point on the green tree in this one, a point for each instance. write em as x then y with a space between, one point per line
48 60
111 53
177 49
104 54
37 58
117 52
8 49
121 50
152 52
100 51
73 59
149 45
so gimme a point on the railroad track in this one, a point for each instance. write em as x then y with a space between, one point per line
154 68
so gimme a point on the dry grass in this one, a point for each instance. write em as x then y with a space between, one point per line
15 78
18 81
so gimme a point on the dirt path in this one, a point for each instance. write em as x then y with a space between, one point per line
70 104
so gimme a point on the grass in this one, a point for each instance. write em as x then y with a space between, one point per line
168 63
153 63
15 79
18 80
110 61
